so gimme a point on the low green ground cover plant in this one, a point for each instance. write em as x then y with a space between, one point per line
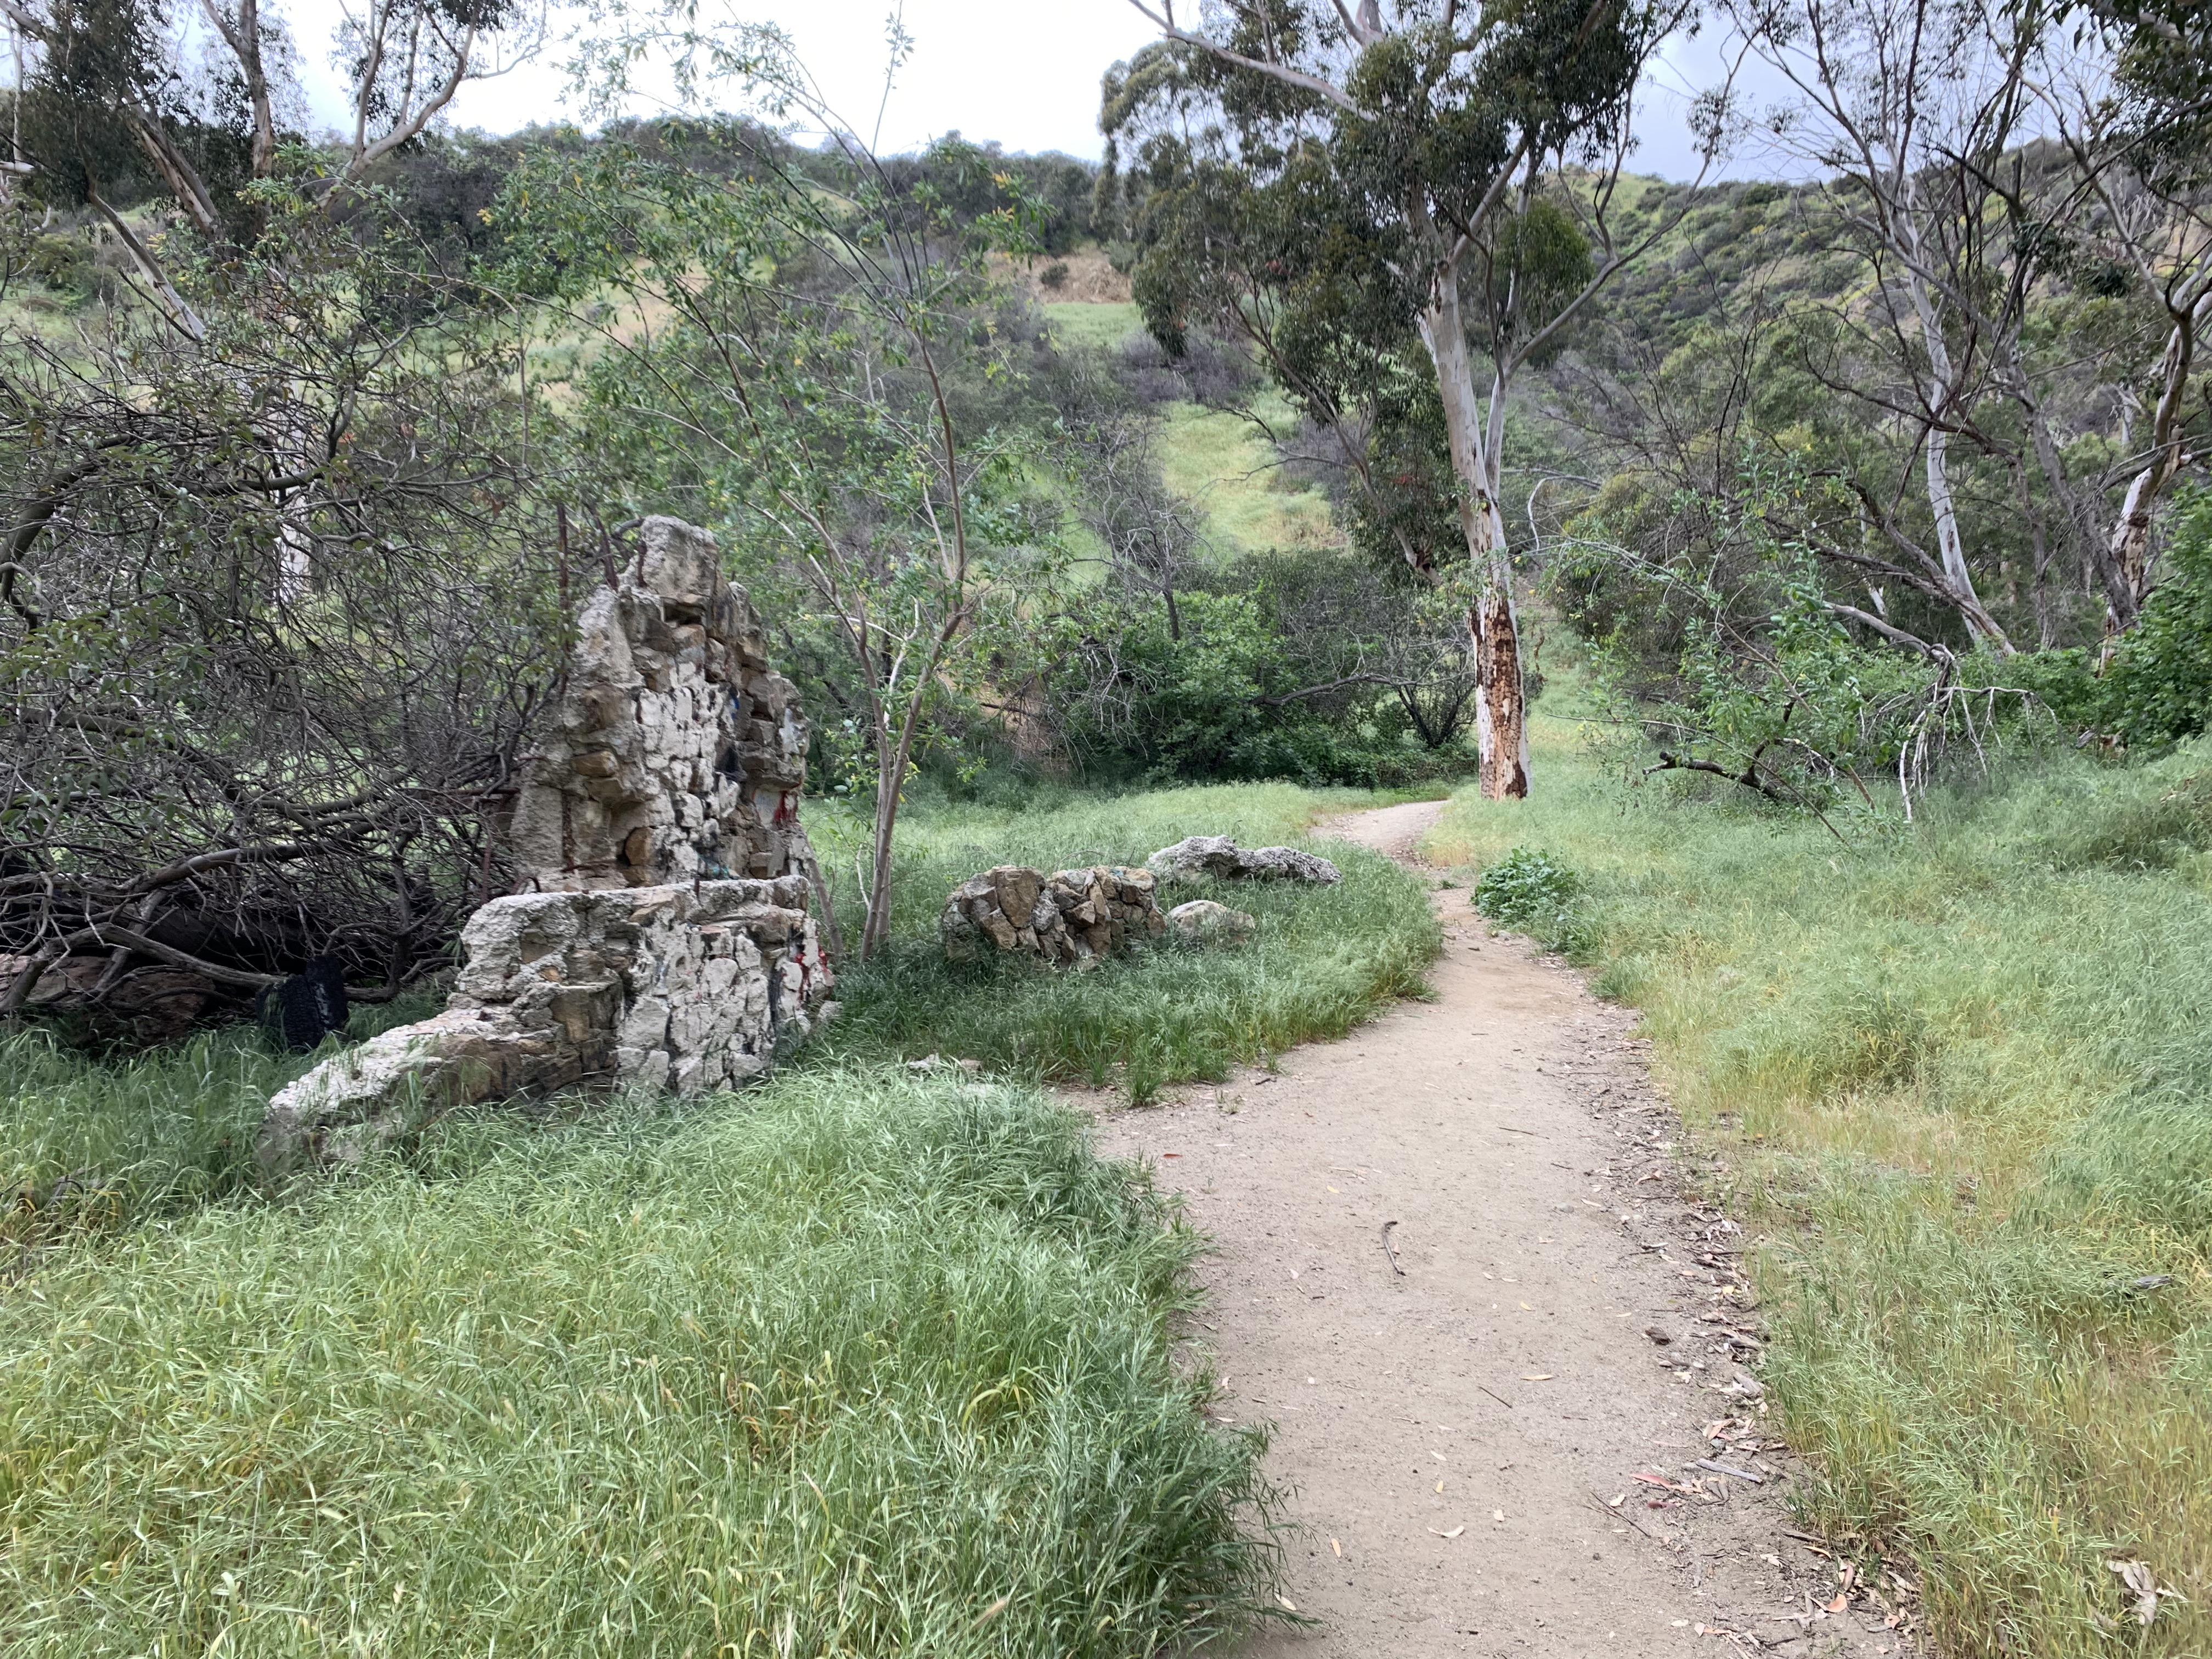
1959 1074
1528 889
876 1365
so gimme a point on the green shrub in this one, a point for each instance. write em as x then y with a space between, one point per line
1528 889
63 262
2157 688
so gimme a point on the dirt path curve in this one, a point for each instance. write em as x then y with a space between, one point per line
1455 1434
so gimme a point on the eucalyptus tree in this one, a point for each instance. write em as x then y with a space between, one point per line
1354 194
1932 122
1910 108
2138 125
200 101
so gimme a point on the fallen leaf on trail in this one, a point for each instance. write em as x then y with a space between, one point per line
1332 1189
1287 1602
1537 1376
1338 1547
1440 1485
1455 1531
1527 1308
1171 1154
1843 1600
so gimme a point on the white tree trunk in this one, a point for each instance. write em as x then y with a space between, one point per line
1501 722
1950 545
2129 547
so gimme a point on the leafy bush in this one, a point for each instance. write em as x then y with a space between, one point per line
1528 889
2158 687
1205 695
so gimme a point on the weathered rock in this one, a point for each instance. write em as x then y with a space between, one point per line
675 752
1070 917
665 936
1219 855
1204 922
691 987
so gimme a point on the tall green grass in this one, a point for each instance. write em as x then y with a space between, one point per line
1325 958
89 1141
1961 1072
875 1365
859 1363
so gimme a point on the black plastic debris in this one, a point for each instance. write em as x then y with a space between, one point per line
302 1010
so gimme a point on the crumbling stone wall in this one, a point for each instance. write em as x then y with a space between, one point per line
1219 855
1071 917
676 753
663 934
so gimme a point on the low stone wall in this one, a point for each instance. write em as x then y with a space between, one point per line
1219 855
1070 917
665 936
687 987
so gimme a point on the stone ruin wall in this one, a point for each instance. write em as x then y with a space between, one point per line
665 931
676 753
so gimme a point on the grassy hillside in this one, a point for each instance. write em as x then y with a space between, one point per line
1959 1074
1226 465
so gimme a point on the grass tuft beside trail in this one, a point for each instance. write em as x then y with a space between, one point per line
874 1364
1961 1073
1326 958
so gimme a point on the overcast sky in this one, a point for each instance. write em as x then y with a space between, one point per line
1024 74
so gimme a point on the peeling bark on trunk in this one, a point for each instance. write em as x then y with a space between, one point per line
1500 715
1950 545
1501 721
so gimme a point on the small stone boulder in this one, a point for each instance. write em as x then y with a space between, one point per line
1070 917
1202 921
1219 855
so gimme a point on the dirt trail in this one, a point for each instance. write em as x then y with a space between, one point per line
1458 1431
